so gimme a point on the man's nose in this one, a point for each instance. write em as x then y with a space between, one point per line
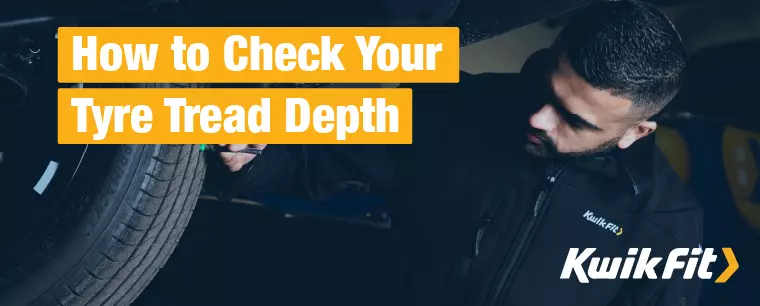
545 119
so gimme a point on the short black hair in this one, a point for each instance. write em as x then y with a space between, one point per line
629 48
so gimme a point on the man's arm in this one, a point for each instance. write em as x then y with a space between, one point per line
676 291
678 218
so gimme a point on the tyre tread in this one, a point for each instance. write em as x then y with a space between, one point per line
144 232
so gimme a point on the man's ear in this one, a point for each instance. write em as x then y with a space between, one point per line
636 132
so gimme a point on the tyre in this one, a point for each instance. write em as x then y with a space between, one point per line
104 240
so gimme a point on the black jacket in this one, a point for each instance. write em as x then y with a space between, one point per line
486 224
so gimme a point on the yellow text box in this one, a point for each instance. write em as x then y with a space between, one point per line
273 55
256 116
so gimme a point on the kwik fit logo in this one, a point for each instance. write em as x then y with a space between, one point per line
603 223
692 261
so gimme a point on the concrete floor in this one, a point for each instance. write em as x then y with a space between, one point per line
243 255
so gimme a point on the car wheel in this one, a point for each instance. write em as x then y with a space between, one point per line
92 224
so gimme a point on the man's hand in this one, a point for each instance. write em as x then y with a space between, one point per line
235 161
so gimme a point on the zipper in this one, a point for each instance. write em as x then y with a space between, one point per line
505 271
479 236
485 223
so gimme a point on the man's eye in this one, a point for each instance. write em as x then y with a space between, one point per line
575 125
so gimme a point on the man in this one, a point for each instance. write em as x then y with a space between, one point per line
509 172
492 217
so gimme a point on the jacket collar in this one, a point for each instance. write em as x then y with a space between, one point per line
634 166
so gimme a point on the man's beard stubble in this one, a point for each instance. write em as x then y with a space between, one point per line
548 148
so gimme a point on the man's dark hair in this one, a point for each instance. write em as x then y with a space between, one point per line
629 48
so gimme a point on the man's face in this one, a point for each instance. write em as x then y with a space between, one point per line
581 120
